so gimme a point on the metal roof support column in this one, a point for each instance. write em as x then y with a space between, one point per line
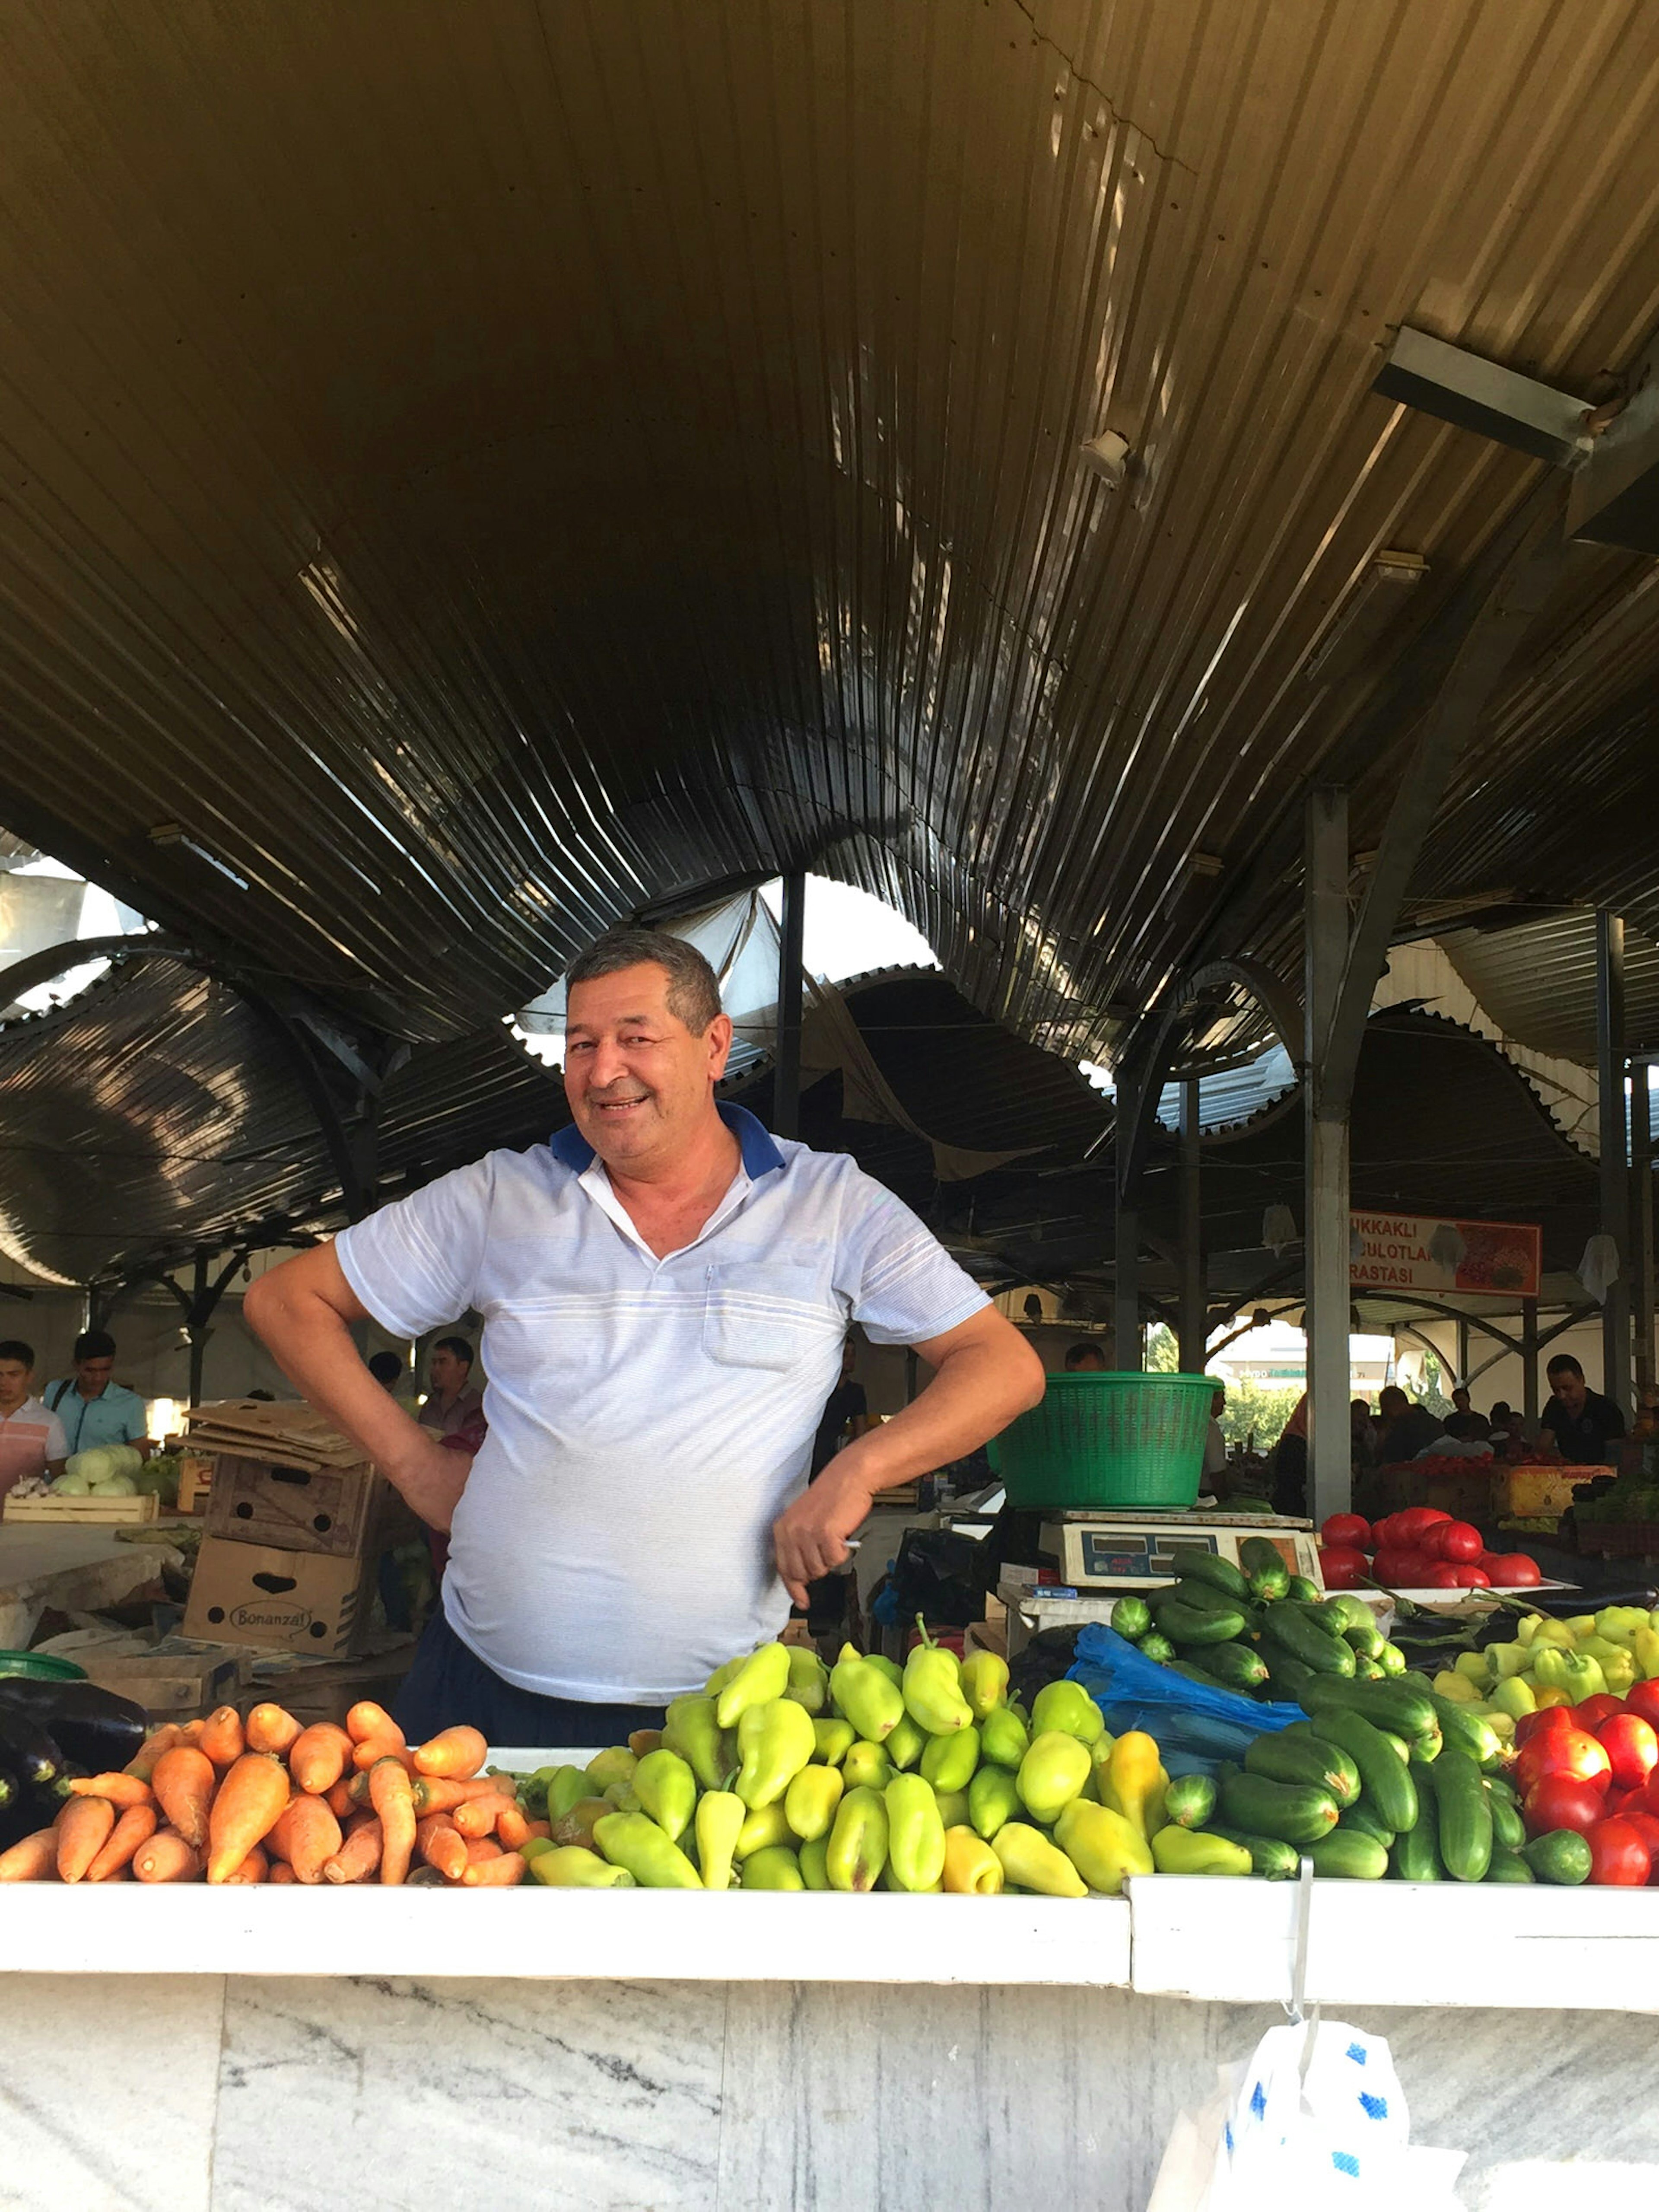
1641 1221
1615 1150
786 1084
1529 1365
1325 1236
1193 1331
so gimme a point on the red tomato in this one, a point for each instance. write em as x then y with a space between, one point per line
1617 1801
1442 1575
1632 1748
1348 1532
1470 1578
1461 1542
1513 1570
1412 1523
1342 1566
1400 1569
1545 1717
1593 1711
1572 1752
1643 1698
1647 1826
1644 1800
1557 1800
1620 1855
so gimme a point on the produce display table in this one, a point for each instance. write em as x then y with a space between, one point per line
69 1569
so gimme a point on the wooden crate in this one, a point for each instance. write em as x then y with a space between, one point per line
195 1481
83 1512
1522 1492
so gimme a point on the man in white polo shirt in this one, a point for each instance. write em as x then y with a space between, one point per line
665 1291
31 1438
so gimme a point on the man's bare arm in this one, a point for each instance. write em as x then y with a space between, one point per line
302 1311
984 1373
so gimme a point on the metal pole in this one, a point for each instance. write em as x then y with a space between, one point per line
196 1330
1529 1365
786 1085
1641 1220
1463 1353
1129 1355
1615 1150
1325 1241
1192 1330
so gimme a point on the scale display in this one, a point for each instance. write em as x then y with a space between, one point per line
1104 1553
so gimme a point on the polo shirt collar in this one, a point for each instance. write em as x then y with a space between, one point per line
755 1141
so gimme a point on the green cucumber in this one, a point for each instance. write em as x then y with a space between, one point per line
1288 1680
1264 1568
1185 1624
1386 1780
1302 1590
1508 1830
1240 1666
1324 1614
1364 1818
1154 1646
1366 1641
1466 1830
1508 1866
1316 1648
1305 1760
1296 1811
1402 1710
1352 1612
1270 1855
1392 1659
1194 1564
1204 1597
1132 1617
1367 1670
1562 1857
1416 1853
1190 1800
1349 1856
1468 1731
1499 1785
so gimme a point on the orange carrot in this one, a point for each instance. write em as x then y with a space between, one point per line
357 1857
191 1733
479 1816
375 1748
440 1794
393 1800
183 1783
270 1728
504 1871
143 1763
135 1826
318 1756
436 1841
166 1857
253 1870
480 1848
34 1858
511 1827
121 1789
357 1787
251 1799
454 1752
83 1829
280 1872
367 1722
541 1828
339 1799
305 1835
222 1737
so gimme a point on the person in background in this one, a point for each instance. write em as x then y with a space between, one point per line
1215 1442
1086 1360
1463 1422
1583 1425
386 1369
1405 1428
1289 1462
94 1408
1362 1435
31 1438
452 1406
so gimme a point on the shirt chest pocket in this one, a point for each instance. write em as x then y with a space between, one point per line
758 1313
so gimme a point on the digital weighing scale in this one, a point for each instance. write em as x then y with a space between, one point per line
1119 1551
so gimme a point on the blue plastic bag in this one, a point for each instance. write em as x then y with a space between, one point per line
1196 1727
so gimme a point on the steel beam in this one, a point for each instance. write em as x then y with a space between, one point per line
1130 1353
1325 1232
1459 387
1615 1150
785 1082
1529 1365
1194 1312
1641 1222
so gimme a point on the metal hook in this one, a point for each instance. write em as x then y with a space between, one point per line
1299 1969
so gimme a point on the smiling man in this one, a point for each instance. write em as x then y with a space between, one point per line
665 1291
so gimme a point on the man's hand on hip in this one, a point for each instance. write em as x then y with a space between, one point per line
809 1538
431 1477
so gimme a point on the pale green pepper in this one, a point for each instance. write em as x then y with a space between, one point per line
635 1841
766 1826
1051 1774
719 1822
811 1801
692 1731
932 1687
866 1766
668 1789
809 1679
857 1842
1190 1850
949 1762
906 1744
1102 1845
864 1695
992 1798
915 1833
1004 1739
1031 1862
775 1868
567 1866
775 1741
760 1680
834 1739
814 1863
985 1682
1068 1707
606 1768
972 1868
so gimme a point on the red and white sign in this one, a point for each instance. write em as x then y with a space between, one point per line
1412 1252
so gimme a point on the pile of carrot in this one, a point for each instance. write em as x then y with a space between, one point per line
264 1799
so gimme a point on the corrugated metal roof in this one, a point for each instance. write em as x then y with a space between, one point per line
483 469
1537 980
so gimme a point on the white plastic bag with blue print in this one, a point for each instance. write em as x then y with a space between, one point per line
1316 2117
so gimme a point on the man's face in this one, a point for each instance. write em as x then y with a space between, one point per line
1570 1390
1392 1404
14 1382
447 1372
1217 1405
93 1374
640 1083
1460 1400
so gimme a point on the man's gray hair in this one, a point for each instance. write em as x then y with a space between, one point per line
694 991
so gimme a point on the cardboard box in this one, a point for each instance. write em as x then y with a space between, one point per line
195 1481
328 1509
178 1686
261 1595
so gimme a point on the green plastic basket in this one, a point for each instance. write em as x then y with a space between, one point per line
39 1667
1108 1440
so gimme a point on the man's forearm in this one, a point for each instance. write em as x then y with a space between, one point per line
312 1345
972 1395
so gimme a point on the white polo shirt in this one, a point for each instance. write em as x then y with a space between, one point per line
649 1418
29 1436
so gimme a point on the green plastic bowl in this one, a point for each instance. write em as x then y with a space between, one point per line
1106 1440
39 1667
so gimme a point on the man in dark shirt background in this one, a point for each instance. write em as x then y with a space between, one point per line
1405 1430
1464 1422
1584 1424
846 1408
